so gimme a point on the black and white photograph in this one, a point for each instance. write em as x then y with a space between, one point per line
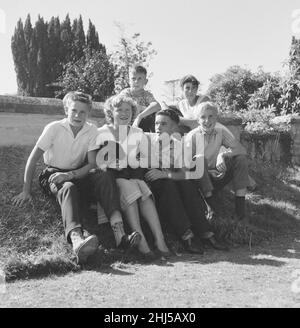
150 157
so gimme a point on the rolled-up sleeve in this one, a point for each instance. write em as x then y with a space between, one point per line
45 140
233 146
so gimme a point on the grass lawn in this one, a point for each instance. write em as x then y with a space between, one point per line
32 240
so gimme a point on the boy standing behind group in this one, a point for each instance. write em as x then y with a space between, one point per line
147 105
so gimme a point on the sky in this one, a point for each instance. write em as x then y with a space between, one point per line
199 37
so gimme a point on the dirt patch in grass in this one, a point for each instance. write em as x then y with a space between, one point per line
32 239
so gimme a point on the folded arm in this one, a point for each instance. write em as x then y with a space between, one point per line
233 148
61 177
152 108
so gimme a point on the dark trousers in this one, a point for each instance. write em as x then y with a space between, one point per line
180 206
74 196
236 173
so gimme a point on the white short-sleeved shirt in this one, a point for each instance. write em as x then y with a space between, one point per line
188 111
61 149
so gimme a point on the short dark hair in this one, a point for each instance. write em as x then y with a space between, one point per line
170 113
189 79
139 69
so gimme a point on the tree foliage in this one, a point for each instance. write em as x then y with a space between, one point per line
19 47
267 95
92 73
130 51
240 89
92 39
281 92
41 52
294 58
233 89
290 85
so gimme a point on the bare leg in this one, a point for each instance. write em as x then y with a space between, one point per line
133 219
149 213
116 223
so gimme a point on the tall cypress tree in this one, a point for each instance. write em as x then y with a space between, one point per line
28 31
54 65
66 41
42 53
31 52
43 61
78 39
19 52
92 38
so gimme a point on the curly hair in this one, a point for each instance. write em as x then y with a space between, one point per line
115 102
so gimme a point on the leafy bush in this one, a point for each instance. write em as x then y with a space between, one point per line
265 121
92 73
130 51
290 95
282 93
257 120
233 89
267 95
266 102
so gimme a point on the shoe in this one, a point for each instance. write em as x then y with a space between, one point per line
164 255
212 204
149 257
83 247
215 244
85 233
210 214
191 247
130 241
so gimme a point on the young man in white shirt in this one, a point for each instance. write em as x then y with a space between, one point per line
65 145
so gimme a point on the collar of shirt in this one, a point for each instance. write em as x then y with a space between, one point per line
212 133
66 125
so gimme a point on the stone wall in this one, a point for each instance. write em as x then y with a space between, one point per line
275 147
22 119
47 106
295 134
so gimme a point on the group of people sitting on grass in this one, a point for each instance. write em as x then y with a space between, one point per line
140 165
